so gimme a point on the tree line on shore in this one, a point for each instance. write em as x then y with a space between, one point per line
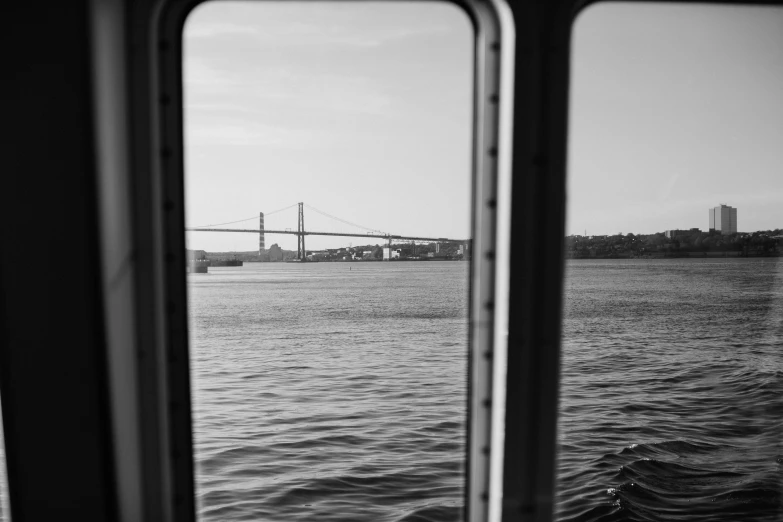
681 242
766 242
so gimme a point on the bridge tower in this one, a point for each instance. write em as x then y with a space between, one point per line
261 244
301 253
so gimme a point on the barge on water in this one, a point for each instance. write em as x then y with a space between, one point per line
226 262
197 262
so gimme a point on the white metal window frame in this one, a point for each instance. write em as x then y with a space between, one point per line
149 235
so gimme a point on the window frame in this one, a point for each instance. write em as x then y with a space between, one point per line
165 192
84 359
153 477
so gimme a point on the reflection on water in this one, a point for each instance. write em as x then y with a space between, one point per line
330 391
672 391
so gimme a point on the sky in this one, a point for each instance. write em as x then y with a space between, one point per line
673 110
364 111
361 111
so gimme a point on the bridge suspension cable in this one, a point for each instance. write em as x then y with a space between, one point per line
370 232
342 220
226 223
279 210
248 219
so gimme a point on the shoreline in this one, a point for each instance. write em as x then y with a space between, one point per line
684 255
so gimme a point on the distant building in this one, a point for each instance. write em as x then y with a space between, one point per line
723 219
317 255
275 253
671 234
394 254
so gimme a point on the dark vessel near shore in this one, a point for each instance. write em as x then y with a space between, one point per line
226 262
197 262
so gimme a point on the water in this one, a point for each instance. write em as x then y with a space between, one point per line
672 391
330 391
337 391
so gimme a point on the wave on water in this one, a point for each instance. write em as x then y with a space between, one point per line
681 481
339 398
672 393
344 398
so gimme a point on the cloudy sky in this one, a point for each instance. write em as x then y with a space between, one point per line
361 111
364 112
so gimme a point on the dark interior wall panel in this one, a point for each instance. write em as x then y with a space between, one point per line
538 217
52 364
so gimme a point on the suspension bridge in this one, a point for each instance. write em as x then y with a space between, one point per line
300 231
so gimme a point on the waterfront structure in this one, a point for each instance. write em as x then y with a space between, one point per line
671 234
275 253
723 219
389 253
197 262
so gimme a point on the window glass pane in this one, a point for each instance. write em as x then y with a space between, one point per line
671 401
329 371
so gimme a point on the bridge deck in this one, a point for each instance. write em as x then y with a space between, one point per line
338 234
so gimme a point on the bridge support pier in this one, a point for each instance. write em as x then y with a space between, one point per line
301 253
261 243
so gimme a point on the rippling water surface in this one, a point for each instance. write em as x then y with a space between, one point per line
337 391
672 391
330 391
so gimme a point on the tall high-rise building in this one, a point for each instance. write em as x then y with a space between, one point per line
723 218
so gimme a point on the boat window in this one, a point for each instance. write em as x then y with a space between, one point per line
671 403
328 174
